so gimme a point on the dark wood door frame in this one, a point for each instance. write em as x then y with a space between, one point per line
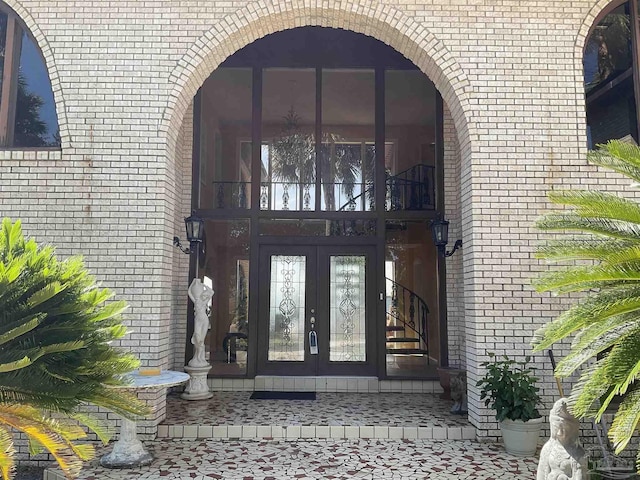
255 215
317 293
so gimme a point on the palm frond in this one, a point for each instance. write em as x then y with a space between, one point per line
103 430
625 422
596 339
586 393
577 279
583 249
29 421
7 452
598 205
618 156
615 301
571 221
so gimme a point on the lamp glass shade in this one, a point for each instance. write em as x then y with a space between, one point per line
440 232
195 227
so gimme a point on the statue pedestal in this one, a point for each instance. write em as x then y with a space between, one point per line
197 388
128 451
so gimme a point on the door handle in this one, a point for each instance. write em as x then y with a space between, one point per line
313 343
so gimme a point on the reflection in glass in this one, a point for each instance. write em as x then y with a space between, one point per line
347 155
36 122
3 43
286 308
608 49
288 126
347 335
410 135
609 78
225 268
225 139
317 227
412 330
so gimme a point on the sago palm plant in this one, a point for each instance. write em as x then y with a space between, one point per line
55 352
603 235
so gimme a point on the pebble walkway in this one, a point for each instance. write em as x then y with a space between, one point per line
321 459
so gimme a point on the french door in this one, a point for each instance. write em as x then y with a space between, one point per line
317 310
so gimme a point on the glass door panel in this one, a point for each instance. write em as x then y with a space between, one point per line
287 308
321 292
347 308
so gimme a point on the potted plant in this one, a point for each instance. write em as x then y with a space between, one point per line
509 388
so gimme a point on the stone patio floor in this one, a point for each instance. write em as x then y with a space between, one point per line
320 459
337 436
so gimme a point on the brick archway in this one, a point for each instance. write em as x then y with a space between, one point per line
262 18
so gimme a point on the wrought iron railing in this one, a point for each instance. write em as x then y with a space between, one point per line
231 195
287 196
407 316
412 189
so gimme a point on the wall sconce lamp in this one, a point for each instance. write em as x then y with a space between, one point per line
195 232
440 232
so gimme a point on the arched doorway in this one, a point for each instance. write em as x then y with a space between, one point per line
317 175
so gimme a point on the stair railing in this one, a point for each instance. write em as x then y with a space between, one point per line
411 189
410 311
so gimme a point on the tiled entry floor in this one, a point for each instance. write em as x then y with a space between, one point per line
320 459
332 415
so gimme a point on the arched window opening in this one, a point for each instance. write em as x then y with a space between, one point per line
28 116
611 76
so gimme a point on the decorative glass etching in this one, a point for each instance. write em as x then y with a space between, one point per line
347 308
287 308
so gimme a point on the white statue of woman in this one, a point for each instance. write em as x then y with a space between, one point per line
200 294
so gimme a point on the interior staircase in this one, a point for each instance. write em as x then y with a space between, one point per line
406 322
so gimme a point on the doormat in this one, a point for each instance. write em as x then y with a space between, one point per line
283 396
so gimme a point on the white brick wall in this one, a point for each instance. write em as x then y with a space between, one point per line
124 74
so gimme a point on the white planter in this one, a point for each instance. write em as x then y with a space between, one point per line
521 438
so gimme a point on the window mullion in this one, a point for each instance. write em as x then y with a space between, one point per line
13 47
635 45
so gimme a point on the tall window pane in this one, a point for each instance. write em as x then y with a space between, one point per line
411 292
288 133
28 116
225 268
36 120
410 138
347 155
225 142
3 43
608 79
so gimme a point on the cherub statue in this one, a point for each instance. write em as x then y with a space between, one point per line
200 294
562 457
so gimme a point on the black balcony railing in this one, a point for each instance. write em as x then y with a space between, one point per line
412 189
231 195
